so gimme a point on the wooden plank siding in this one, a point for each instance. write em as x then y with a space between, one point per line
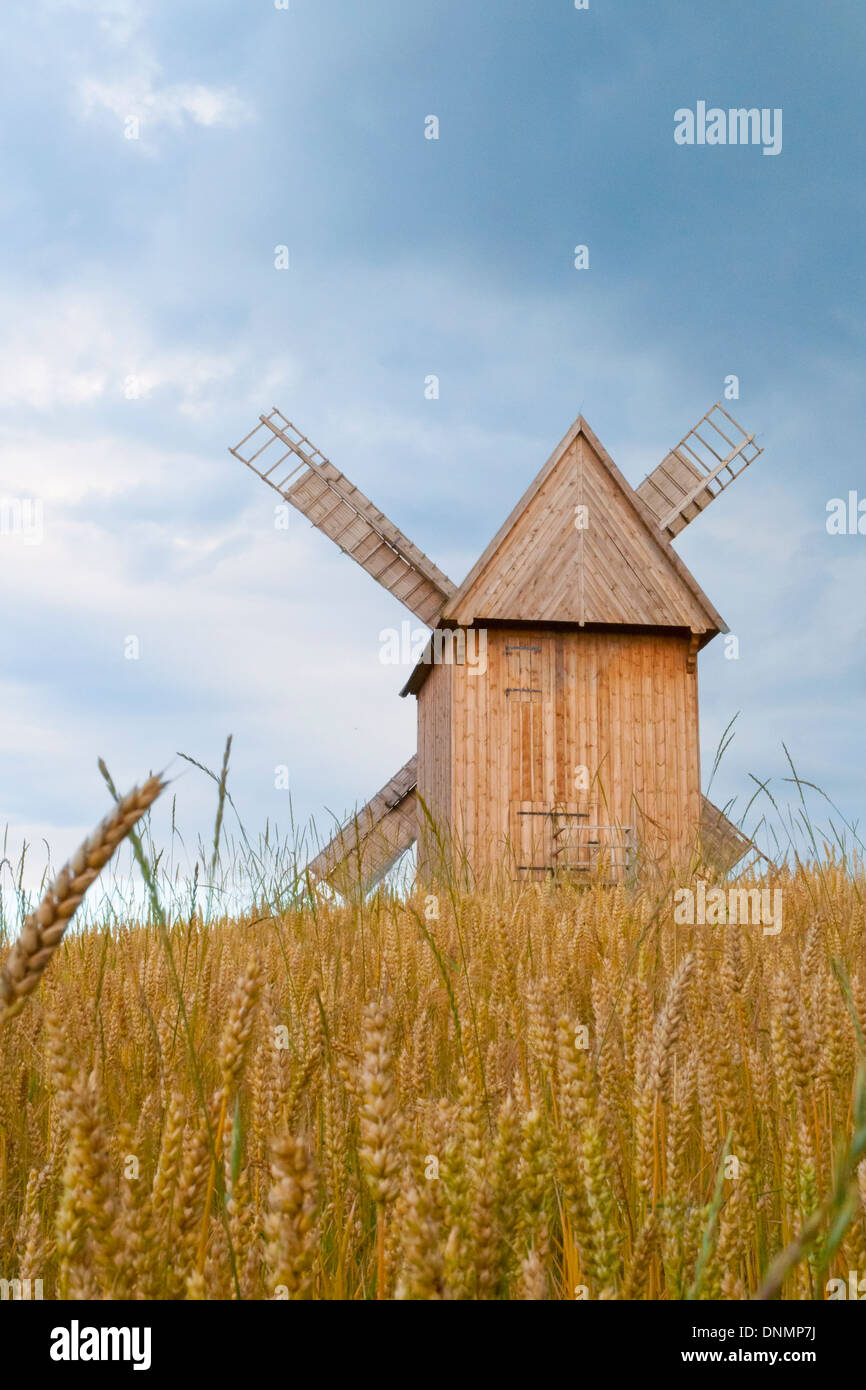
498 752
435 744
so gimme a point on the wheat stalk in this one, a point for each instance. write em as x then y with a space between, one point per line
43 929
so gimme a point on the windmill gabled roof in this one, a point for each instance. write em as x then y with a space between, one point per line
618 569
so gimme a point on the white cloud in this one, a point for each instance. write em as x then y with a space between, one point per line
190 374
120 20
155 107
77 347
55 349
131 85
31 380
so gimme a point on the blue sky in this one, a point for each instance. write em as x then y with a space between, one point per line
143 326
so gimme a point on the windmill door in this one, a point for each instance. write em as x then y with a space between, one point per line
548 828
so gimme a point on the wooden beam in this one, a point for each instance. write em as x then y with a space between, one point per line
723 845
363 850
343 513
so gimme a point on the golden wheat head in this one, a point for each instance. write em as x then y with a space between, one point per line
43 929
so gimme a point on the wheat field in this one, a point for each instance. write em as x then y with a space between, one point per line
536 1091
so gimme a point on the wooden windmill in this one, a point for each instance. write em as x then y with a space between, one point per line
576 746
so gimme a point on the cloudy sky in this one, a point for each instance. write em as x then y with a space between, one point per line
144 325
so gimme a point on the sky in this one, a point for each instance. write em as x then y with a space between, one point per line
156 155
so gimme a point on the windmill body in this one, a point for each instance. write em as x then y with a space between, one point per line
573 745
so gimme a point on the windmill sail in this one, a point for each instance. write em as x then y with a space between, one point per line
289 463
723 844
370 843
703 464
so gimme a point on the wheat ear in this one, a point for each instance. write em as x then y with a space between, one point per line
43 929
